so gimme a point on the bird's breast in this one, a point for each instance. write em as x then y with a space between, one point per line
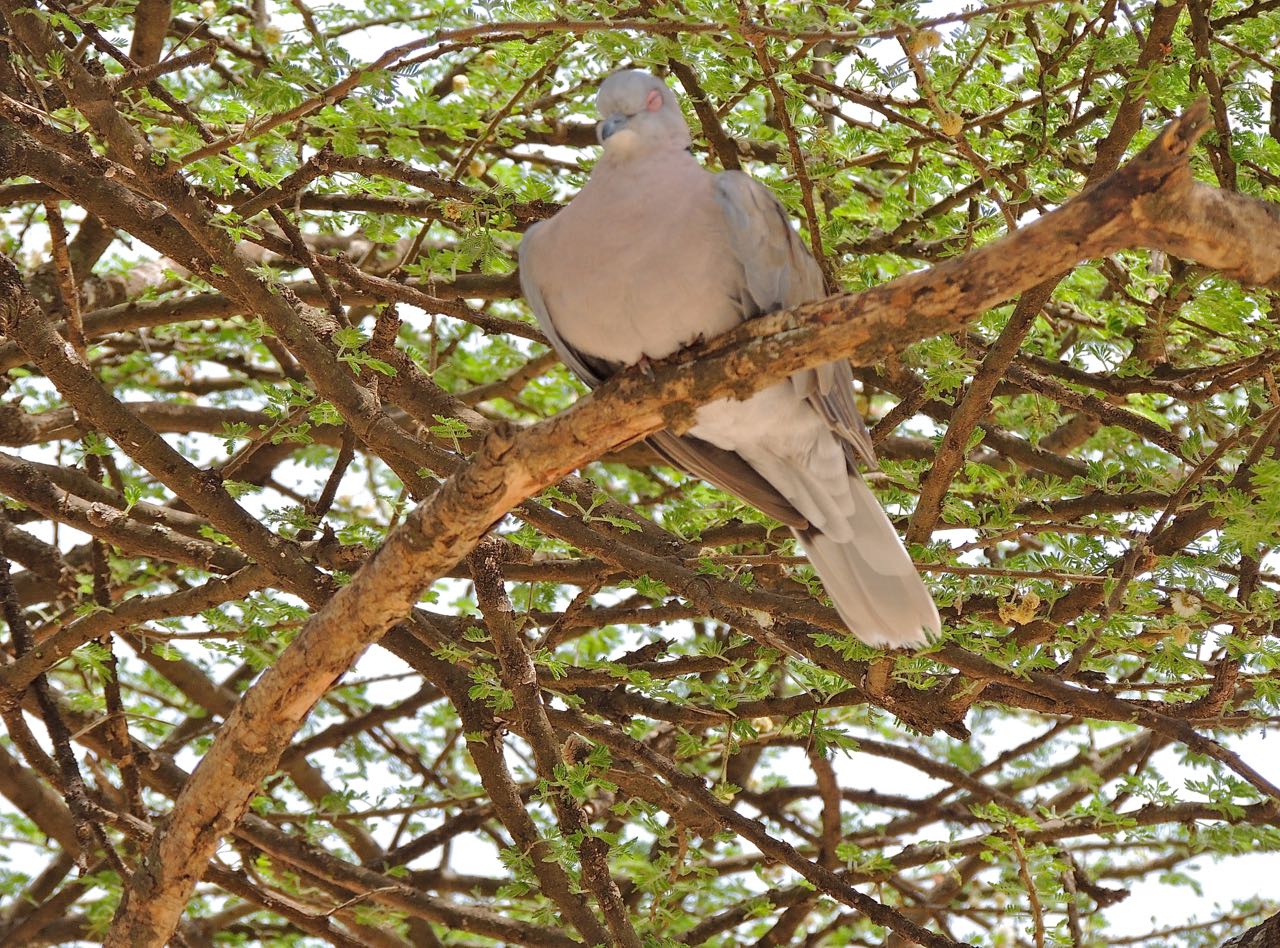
652 270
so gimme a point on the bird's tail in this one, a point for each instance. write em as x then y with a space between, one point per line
871 580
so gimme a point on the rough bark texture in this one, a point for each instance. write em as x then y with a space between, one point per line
1266 935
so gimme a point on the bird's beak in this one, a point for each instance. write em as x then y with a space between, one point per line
614 123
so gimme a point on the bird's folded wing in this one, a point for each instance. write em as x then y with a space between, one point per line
829 389
591 371
778 270
728 471
781 273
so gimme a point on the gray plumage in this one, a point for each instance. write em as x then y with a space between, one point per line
656 253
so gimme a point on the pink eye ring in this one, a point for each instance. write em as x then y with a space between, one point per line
654 101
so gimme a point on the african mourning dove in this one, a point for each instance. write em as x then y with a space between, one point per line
655 253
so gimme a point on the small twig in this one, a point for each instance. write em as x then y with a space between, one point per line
357 899
1024 870
67 282
111 679
144 75
330 490
720 142
757 40
534 79
89 834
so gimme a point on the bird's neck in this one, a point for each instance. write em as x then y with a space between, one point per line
626 147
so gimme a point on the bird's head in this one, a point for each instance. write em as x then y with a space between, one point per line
639 112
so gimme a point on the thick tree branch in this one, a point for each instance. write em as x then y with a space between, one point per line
522 678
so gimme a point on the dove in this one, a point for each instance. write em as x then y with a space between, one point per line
656 253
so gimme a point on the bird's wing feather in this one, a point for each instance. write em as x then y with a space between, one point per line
829 389
728 471
781 273
591 371
723 468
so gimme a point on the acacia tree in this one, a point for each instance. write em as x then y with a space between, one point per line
272 397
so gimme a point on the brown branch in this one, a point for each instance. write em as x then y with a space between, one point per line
1219 152
1263 935
521 677
151 23
145 75
88 833
798 166
721 144
955 443
1024 871
24 481
67 281
829 789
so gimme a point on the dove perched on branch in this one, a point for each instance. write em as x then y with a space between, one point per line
654 254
